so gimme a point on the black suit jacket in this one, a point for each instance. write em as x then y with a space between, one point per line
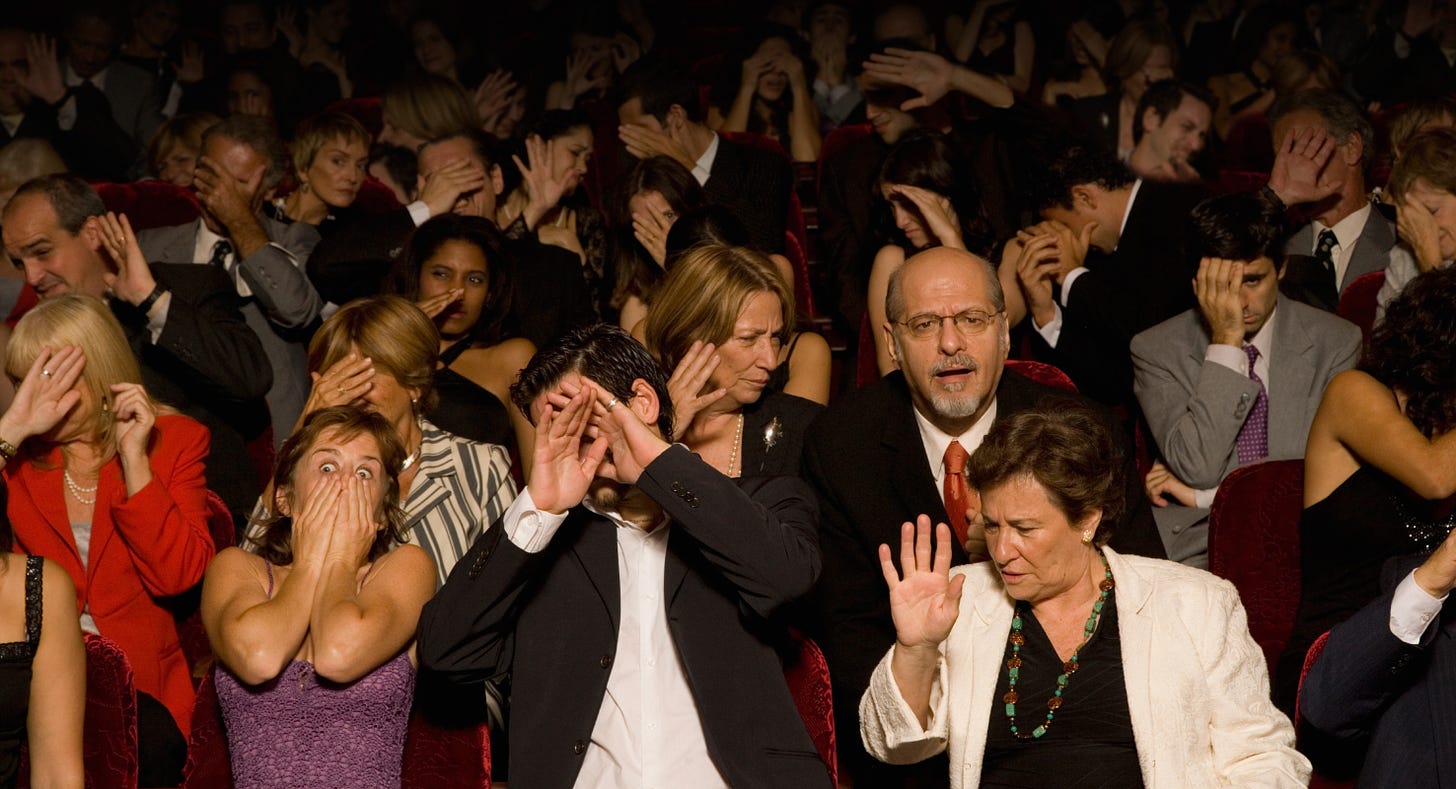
739 552
1369 688
550 294
208 364
755 186
94 147
1145 281
866 462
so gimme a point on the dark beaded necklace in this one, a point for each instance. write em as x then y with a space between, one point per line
1013 664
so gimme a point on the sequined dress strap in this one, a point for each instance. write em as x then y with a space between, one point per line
34 573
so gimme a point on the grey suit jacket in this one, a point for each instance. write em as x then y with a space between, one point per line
1196 408
1371 253
135 101
280 308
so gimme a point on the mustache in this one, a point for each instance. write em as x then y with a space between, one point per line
955 362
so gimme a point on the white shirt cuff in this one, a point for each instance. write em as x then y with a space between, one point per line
1412 610
1053 330
157 316
528 528
419 212
66 115
1228 356
1203 499
1402 46
1067 283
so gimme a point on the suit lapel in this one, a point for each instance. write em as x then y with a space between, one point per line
109 488
1372 250
1291 378
595 548
985 646
909 469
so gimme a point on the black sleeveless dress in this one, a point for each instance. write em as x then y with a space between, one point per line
15 664
466 408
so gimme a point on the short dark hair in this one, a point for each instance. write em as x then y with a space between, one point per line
1163 98
1070 163
482 144
709 224
1068 448
930 160
1413 350
404 277
602 352
660 84
274 538
1342 116
73 200
259 134
1239 226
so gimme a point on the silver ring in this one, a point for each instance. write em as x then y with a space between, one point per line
611 403
341 390
46 373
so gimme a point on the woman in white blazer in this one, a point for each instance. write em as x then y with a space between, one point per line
1060 660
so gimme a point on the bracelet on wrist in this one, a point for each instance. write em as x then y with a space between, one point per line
8 450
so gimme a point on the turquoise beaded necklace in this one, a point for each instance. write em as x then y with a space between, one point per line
1013 664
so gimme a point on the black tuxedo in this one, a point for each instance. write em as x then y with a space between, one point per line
94 147
546 622
755 186
1371 691
865 459
208 364
550 295
1145 281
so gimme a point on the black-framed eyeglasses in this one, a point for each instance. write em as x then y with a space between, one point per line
968 323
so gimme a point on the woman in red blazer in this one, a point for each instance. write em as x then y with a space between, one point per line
104 486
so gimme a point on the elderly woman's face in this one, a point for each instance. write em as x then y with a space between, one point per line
1039 553
1442 205
749 356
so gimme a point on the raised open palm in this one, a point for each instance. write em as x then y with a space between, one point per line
925 602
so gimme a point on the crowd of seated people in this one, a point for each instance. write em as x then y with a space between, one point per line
421 367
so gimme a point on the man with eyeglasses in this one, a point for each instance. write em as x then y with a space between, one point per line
895 449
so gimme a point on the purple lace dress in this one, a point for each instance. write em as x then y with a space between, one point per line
302 730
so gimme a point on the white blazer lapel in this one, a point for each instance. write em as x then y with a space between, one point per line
984 643
1135 630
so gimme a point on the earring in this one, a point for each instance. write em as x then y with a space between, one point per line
1086 536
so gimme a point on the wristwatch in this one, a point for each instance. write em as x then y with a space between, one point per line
146 304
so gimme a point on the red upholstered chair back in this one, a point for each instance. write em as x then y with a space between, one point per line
1042 373
189 629
1230 181
209 764
149 204
109 737
368 110
1250 144
866 366
1357 303
836 141
1253 541
808 678
436 756
803 294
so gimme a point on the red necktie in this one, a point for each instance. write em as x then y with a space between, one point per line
957 494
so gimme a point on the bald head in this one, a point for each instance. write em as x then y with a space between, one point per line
943 263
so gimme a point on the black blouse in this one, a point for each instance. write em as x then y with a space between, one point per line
1090 742
15 661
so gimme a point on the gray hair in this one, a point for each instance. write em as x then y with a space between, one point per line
1342 116
256 133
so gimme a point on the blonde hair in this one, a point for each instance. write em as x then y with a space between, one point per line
703 296
186 129
319 130
392 332
27 158
87 323
429 107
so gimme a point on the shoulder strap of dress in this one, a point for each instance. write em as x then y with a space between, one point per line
34 597
449 355
793 343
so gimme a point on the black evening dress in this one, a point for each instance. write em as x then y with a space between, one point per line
15 664
466 408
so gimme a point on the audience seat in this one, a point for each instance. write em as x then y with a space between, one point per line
834 144
194 637
1250 144
368 110
1231 181
1317 780
808 678
866 367
436 756
795 220
803 293
1253 541
109 737
150 203
209 764
1042 373
1357 303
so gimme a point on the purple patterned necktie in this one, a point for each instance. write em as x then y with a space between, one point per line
1253 442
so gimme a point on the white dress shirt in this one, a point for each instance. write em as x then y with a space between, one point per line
936 440
703 168
66 114
1053 330
1347 232
647 733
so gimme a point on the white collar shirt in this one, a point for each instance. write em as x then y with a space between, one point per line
1347 234
936 440
1237 359
703 168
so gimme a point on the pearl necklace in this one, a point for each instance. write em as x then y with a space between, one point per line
737 442
78 492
